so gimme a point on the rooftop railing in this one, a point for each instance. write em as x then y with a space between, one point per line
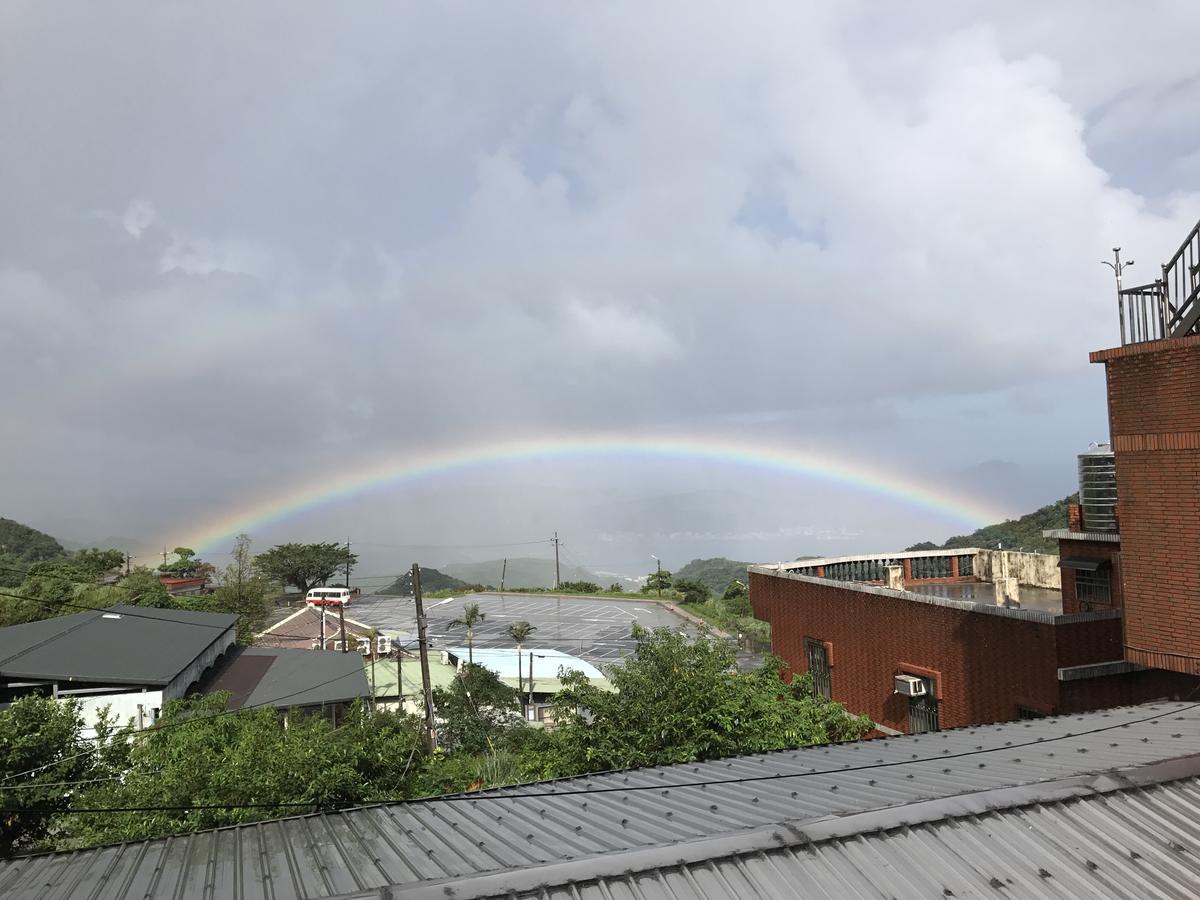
1170 306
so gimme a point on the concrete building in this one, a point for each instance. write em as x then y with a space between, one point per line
129 659
515 670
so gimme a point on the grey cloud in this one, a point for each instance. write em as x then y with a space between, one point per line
272 239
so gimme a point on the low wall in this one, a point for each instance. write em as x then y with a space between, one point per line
1030 569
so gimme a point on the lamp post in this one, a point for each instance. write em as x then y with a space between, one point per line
1118 268
658 580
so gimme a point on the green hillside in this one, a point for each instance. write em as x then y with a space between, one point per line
20 547
431 580
716 572
1024 533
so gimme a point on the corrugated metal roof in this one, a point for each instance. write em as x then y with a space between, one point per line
1134 842
596 817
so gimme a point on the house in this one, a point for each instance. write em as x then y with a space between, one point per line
1095 805
396 679
537 676
289 679
130 659
315 628
183 587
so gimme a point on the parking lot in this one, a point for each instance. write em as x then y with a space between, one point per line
595 630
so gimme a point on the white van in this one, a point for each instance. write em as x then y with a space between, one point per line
327 596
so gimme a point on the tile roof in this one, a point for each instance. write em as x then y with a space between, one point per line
124 645
599 826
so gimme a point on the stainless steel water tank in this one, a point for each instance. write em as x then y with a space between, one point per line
1098 488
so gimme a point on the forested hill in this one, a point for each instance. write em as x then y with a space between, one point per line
431 580
21 546
1024 533
716 572
27 544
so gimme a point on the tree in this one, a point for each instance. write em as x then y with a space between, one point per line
616 588
476 711
40 747
520 632
244 758
242 590
303 565
678 700
471 617
692 591
737 598
659 580
184 566
99 562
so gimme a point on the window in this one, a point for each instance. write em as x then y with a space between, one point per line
923 710
1025 712
818 667
1093 589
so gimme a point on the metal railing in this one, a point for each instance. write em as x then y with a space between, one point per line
1170 307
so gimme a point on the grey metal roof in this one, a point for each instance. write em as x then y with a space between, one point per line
260 676
1094 839
443 841
122 644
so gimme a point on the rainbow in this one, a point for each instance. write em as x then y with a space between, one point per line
363 478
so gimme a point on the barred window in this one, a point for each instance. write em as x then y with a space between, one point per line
1094 589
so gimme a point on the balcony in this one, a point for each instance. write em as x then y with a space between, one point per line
1169 307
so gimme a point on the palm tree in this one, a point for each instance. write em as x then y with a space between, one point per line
470 618
520 632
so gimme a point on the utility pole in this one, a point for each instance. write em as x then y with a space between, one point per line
658 579
531 681
423 646
164 556
503 572
347 563
556 577
322 627
342 619
128 560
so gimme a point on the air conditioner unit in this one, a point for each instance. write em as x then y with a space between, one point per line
384 643
909 686
316 644
364 646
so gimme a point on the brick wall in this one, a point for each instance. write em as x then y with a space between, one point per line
1101 550
1154 418
984 665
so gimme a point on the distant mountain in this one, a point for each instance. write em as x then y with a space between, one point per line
716 572
1024 533
431 580
522 572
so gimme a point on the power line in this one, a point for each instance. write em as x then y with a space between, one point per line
542 795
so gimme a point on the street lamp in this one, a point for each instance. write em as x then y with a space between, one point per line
658 581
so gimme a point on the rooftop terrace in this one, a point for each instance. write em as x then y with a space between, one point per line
967 576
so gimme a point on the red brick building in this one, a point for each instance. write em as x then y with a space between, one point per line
1154 418
977 661
1120 624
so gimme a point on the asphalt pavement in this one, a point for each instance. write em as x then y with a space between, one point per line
595 630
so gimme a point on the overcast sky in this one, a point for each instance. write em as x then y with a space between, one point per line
242 245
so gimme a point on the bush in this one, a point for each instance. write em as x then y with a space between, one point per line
579 587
